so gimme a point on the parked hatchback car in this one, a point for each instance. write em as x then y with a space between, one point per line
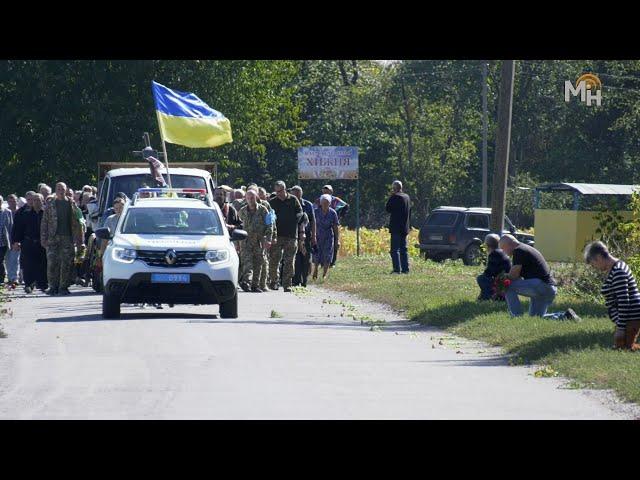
454 232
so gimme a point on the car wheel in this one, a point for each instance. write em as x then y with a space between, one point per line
110 306
229 309
472 255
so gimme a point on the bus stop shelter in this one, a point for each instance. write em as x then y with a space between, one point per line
563 228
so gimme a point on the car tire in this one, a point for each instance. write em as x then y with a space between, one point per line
472 255
229 309
110 306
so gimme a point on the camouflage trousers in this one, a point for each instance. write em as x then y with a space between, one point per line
265 270
60 256
251 257
287 248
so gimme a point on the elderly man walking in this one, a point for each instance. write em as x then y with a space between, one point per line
530 277
60 230
399 206
288 215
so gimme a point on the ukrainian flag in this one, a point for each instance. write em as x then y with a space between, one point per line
186 120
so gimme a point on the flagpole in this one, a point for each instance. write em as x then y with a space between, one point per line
164 149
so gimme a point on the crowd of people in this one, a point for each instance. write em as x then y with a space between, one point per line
43 239
44 236
289 237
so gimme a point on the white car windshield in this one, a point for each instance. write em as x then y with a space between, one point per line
172 220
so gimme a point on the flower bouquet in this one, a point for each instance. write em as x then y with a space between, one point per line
500 285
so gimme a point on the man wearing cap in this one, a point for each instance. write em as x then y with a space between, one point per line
288 215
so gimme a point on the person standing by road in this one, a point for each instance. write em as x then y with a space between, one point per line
399 206
27 234
288 214
59 231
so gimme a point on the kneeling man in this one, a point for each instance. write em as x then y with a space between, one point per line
530 277
497 263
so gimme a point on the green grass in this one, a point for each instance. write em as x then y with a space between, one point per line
443 295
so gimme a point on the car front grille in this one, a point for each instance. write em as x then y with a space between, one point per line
156 258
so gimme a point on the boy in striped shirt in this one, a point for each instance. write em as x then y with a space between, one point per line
620 291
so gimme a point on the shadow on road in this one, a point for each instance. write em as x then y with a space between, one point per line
96 317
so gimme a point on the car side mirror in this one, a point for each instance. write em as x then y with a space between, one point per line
238 235
103 233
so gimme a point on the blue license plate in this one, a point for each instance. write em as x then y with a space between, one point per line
170 278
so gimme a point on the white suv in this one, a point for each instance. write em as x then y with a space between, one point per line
170 250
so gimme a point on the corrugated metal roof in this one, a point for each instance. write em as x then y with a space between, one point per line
592 188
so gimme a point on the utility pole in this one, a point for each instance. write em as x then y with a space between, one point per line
503 139
484 134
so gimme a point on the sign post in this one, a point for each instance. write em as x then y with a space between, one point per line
332 163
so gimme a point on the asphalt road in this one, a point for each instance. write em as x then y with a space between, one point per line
61 360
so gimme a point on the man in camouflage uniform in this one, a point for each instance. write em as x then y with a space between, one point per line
59 231
262 194
288 215
259 235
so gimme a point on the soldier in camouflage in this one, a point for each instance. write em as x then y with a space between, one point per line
259 237
60 230
289 215
262 193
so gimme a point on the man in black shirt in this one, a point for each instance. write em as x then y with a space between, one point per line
497 262
288 215
530 277
399 206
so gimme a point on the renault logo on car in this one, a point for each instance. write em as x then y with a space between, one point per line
171 257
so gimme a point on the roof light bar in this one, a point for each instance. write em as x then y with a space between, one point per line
172 190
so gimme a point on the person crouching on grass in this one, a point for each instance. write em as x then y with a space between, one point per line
620 291
531 277
497 262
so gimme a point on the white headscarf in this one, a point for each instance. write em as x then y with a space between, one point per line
326 197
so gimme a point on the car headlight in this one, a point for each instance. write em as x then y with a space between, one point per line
216 256
124 255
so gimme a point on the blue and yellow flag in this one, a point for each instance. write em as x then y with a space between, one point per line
186 120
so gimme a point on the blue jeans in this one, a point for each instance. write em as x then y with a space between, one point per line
13 265
486 286
541 293
399 256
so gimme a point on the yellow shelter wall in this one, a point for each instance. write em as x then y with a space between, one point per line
561 235
555 234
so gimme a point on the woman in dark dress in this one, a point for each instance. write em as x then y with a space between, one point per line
327 233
